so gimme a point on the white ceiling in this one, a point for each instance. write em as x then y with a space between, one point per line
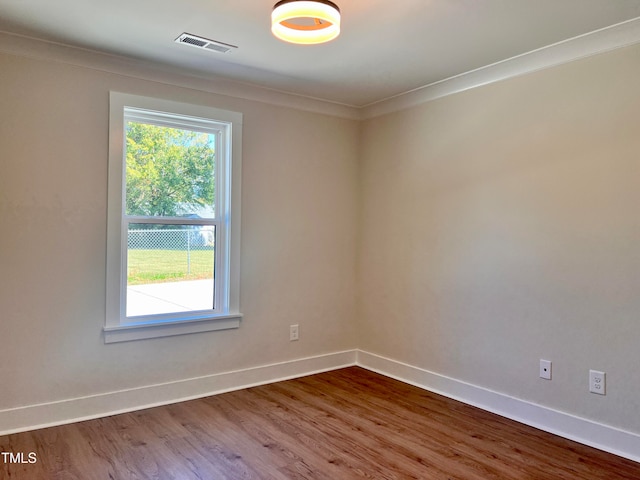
387 47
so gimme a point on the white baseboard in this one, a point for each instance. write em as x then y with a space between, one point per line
587 432
603 437
72 410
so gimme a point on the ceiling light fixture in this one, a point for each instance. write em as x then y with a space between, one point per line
305 21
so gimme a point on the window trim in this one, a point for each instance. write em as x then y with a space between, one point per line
118 327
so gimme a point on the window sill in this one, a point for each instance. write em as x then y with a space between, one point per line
138 331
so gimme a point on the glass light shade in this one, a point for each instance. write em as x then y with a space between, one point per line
324 14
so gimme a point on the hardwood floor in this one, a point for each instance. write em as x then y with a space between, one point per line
345 424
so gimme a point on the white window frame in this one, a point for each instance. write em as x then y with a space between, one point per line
227 126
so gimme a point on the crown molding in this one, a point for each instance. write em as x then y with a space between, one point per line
599 41
30 47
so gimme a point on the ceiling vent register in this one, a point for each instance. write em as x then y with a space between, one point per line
204 43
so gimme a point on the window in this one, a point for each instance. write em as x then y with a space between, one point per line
173 218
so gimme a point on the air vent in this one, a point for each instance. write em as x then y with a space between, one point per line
205 43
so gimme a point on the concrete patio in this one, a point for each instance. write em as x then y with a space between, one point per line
169 297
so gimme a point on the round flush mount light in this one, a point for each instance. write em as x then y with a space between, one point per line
305 21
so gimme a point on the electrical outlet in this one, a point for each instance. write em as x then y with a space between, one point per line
294 333
597 382
545 369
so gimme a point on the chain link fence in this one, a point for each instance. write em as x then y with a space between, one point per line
180 250
171 239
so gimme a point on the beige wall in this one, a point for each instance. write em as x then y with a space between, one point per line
299 207
470 236
502 225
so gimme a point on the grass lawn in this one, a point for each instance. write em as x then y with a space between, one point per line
155 266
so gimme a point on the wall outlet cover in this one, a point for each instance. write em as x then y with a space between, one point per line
545 369
597 382
294 333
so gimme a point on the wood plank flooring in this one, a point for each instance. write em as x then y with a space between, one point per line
345 424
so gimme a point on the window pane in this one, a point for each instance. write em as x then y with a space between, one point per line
170 268
169 171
